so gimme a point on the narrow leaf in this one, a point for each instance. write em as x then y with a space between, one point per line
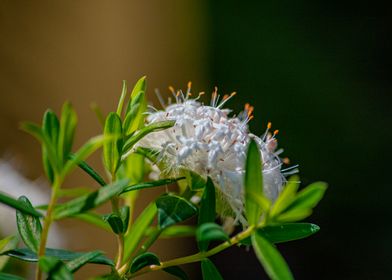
85 151
90 201
112 149
94 219
138 229
294 215
115 222
54 268
253 183
125 216
177 272
152 184
6 244
209 271
137 105
80 261
144 260
29 226
288 232
175 231
309 197
7 276
270 258
50 151
90 171
27 255
207 204
154 127
286 197
173 209
68 123
50 128
18 205
122 98
210 232
194 180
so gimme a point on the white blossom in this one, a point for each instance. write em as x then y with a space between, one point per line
206 140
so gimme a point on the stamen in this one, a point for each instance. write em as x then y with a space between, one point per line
226 98
286 160
160 99
275 132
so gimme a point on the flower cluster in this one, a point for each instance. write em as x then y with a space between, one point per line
206 140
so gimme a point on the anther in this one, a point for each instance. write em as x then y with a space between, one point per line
276 132
172 89
269 125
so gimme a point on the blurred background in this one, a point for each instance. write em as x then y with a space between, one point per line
319 71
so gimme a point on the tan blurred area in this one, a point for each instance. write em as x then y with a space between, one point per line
53 51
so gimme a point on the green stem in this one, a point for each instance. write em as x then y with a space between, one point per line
120 236
199 256
47 223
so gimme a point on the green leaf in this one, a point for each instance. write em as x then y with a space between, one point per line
90 201
174 231
7 276
138 229
80 261
94 219
18 205
177 272
68 123
133 167
152 184
122 98
154 127
137 105
173 209
112 149
294 215
73 192
210 232
286 197
90 171
209 271
50 151
25 254
125 215
50 128
309 197
54 268
270 258
288 232
86 150
6 244
253 183
194 180
29 226
115 223
144 260
207 204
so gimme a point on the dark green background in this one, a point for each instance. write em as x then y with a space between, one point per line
320 72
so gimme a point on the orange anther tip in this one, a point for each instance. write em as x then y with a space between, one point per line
269 125
178 93
225 97
171 89
251 117
276 132
189 84
233 93
286 160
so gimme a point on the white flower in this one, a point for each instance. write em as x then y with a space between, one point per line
206 140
